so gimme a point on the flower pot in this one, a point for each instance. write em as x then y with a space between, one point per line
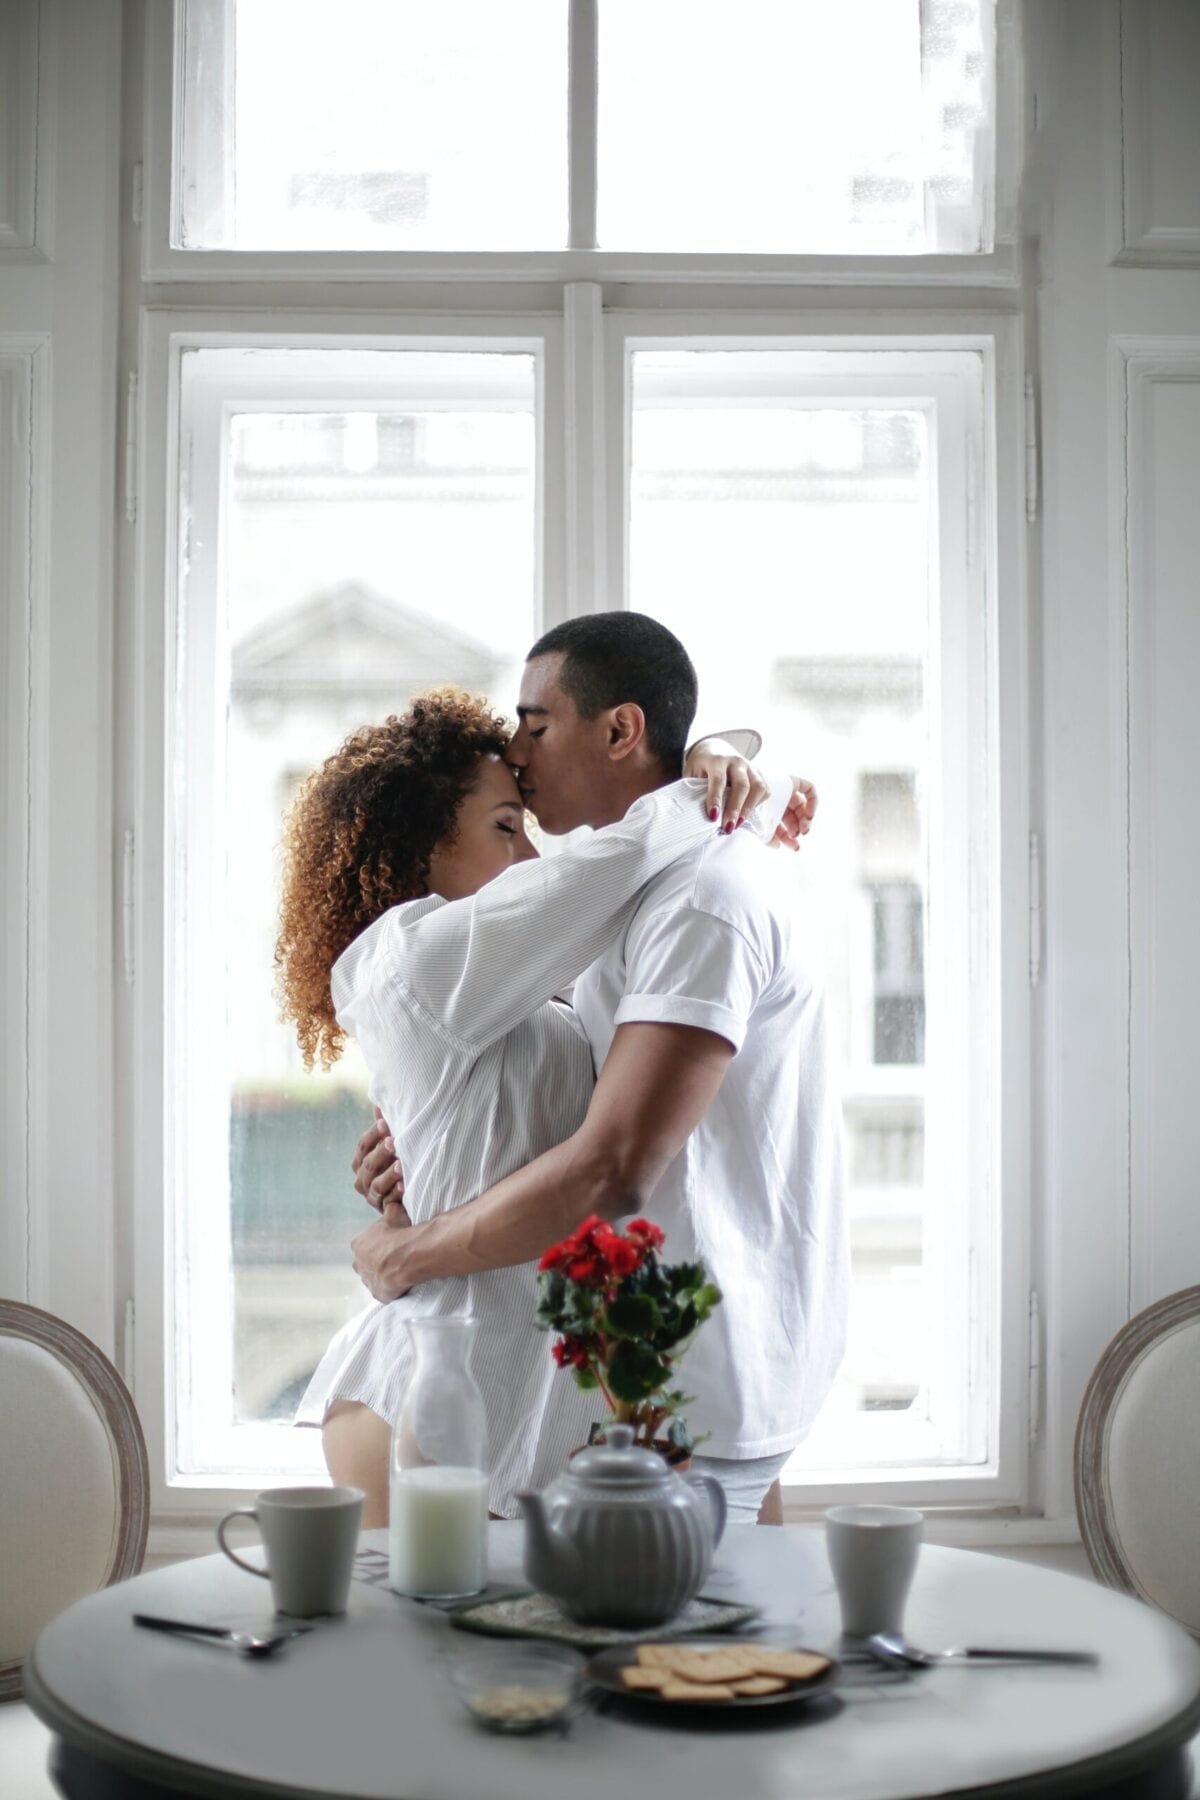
672 1455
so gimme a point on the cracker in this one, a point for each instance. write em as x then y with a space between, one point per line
760 1684
725 1664
635 1676
696 1690
655 1656
793 1665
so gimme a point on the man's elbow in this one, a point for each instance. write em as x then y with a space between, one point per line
619 1178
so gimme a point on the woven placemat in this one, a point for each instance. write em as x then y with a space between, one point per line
534 1615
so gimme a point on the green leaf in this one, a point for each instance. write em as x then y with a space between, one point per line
577 1324
679 1435
633 1315
688 1321
685 1276
551 1287
635 1371
586 1379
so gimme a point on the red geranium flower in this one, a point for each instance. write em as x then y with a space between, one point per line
624 1340
570 1353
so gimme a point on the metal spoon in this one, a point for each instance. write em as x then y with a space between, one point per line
247 1642
894 1650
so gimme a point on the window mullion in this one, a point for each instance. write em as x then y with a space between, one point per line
582 88
584 455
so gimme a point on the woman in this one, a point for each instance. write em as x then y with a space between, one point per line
394 927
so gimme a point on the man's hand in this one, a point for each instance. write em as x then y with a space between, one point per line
379 1253
735 786
378 1176
798 814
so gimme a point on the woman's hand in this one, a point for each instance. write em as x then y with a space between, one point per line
378 1176
798 814
735 786
378 1253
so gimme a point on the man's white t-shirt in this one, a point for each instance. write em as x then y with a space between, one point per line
757 1191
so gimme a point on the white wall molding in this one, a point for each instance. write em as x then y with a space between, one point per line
1154 56
20 441
56 548
1159 385
24 103
1081 1185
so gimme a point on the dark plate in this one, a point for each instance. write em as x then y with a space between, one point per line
604 1671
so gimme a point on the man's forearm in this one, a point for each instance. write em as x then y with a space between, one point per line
518 1218
656 1083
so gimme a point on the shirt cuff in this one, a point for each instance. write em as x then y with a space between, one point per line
744 740
679 1009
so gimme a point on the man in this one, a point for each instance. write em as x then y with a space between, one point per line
712 1110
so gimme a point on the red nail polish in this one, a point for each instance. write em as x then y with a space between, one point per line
712 813
729 827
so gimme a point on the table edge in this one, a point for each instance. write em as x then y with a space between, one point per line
1105 1769
130 1758
124 1754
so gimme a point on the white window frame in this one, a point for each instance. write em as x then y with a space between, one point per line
582 303
998 1339
159 1061
163 261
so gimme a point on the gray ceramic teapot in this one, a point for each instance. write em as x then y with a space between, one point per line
620 1538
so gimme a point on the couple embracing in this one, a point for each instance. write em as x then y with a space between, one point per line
687 1076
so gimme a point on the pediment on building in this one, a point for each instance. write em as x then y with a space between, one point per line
352 640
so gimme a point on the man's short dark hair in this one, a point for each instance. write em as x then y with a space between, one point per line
617 658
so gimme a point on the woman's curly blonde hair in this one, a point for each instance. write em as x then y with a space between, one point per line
359 837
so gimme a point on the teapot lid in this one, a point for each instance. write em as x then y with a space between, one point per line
619 1460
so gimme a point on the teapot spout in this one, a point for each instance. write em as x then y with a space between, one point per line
552 1563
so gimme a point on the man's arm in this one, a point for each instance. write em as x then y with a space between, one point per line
656 1085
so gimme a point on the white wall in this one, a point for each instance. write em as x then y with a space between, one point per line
60 79
1114 191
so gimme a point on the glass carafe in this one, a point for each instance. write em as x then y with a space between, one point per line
437 1540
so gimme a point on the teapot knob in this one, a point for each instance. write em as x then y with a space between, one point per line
619 1437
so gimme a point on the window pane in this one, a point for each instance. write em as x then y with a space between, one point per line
345 554
374 125
788 536
821 126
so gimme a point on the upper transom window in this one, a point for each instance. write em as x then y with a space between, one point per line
769 127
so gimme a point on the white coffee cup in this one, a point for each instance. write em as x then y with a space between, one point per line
310 1535
873 1553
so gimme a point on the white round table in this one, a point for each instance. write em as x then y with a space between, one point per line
362 1708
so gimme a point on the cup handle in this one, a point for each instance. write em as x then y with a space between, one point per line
716 1502
239 1512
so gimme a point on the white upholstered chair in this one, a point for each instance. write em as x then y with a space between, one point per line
1137 1459
74 1478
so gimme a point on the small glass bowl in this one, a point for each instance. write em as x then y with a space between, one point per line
520 1687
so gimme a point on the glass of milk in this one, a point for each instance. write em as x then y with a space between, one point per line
439 1488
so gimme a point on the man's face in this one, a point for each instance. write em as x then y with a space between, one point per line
562 767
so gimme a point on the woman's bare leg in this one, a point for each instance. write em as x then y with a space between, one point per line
357 1445
771 1510
358 1453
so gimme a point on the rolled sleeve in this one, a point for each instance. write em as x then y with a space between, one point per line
679 1009
687 967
